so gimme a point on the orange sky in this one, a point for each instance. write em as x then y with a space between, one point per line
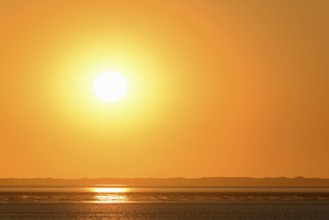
216 88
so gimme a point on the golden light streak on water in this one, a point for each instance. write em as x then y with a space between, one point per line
110 194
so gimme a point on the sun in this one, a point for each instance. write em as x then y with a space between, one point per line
110 87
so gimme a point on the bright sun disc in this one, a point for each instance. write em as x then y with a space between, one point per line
110 87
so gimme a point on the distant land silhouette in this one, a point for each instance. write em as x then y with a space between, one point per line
168 182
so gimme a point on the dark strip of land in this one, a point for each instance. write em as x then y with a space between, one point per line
168 182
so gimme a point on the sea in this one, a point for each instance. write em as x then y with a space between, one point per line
120 202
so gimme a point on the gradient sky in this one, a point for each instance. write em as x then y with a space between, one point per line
216 88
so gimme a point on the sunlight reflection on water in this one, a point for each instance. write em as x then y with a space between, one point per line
123 194
110 194
110 198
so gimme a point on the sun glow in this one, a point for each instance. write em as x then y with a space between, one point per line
110 87
113 89
110 190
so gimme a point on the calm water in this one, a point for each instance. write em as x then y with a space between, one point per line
164 203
